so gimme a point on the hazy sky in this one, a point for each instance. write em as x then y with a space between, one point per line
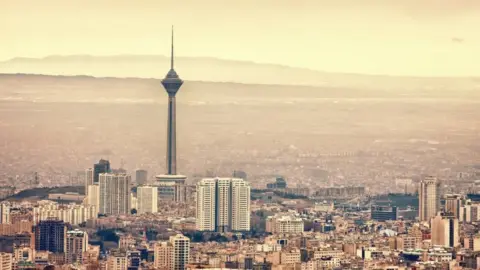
400 37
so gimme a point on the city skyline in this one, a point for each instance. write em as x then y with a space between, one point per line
281 168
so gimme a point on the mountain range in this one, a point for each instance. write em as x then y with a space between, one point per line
218 70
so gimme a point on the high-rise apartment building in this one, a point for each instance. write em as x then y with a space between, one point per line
141 177
89 179
103 166
181 251
50 235
174 254
93 197
453 203
76 245
114 194
223 204
206 205
445 231
429 198
147 199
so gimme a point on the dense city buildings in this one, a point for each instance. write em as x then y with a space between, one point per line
74 214
429 198
345 207
223 204
114 194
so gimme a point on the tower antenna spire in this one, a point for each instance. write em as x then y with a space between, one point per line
171 56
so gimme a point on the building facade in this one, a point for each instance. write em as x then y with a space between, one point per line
76 245
445 231
429 198
103 166
50 235
141 177
114 194
284 224
223 204
147 199
383 213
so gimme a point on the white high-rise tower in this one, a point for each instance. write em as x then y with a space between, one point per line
429 198
223 204
147 199
114 193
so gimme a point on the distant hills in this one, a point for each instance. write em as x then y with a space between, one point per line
215 70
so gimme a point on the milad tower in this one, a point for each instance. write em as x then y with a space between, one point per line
169 181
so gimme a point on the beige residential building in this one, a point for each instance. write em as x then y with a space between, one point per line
445 231
172 255
284 223
163 256
290 257
6 261
93 196
429 198
147 199
117 261
472 242
453 203
76 245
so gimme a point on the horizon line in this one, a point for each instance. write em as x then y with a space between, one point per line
240 61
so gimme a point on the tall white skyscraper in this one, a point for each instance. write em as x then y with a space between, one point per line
114 193
223 204
147 199
429 198
88 179
206 189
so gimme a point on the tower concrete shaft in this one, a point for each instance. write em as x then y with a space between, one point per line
171 137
